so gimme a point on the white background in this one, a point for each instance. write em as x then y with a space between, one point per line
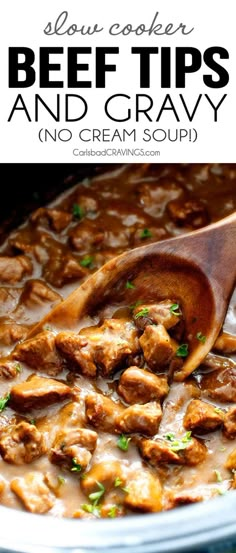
213 21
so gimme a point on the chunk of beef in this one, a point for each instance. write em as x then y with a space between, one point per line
104 347
155 196
189 213
226 343
62 269
157 313
144 492
87 235
221 384
8 300
102 412
74 448
12 269
37 391
21 443
174 499
231 461
9 369
140 418
106 474
194 454
2 486
77 350
40 353
140 386
36 294
11 332
33 492
157 346
87 203
58 220
202 417
158 451
230 423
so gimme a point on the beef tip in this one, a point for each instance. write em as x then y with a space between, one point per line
40 353
33 492
140 418
158 451
202 417
221 384
11 332
21 443
62 269
58 220
76 349
36 294
86 236
154 197
144 492
157 346
9 369
88 204
174 499
141 386
189 213
74 448
12 269
105 347
8 300
194 454
2 486
230 423
156 313
231 461
105 473
102 412
37 392
226 343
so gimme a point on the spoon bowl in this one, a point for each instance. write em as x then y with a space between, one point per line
196 270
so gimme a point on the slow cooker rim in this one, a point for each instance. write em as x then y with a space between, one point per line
181 529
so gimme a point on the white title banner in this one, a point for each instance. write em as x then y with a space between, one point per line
97 81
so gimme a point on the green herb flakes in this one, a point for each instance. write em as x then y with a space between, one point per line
77 211
76 467
200 337
179 444
146 233
142 313
182 351
4 401
123 442
86 261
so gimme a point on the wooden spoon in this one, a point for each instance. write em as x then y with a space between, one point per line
197 270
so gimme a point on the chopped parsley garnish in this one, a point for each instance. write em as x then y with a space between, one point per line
117 482
32 421
142 313
123 442
112 513
146 233
76 467
129 285
96 496
77 211
182 351
91 509
4 402
201 337
86 261
218 410
178 444
61 479
136 304
18 367
47 327
218 475
175 309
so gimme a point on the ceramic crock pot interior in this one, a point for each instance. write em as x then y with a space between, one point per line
206 527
